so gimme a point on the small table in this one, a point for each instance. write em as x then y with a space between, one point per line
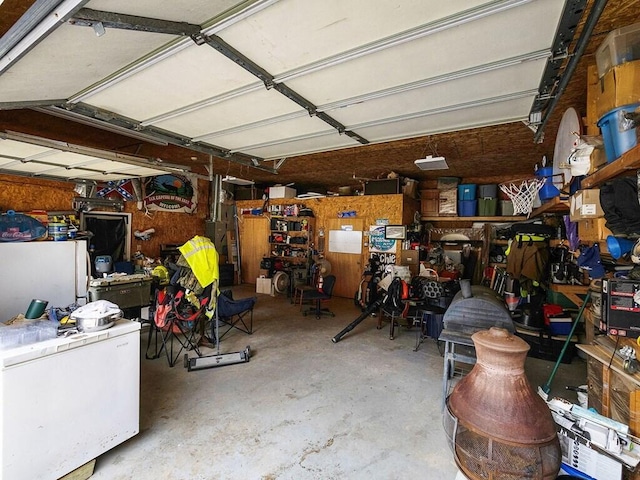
452 339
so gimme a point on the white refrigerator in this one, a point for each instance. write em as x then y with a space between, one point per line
68 400
53 271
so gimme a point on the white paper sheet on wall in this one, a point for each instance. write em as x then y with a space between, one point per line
345 241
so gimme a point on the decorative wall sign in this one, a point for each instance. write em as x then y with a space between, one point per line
377 241
116 189
171 193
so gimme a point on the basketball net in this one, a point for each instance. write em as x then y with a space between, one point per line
522 195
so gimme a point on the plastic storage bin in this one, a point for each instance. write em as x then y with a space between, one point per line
506 208
488 191
548 190
467 191
620 46
616 134
467 208
487 207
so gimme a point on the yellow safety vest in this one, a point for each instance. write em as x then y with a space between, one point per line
202 257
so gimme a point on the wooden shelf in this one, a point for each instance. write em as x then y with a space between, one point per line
629 160
555 205
474 219
572 292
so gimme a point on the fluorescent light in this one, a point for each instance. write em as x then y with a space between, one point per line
432 163
237 181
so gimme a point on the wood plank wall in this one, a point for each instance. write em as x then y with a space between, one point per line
23 194
397 209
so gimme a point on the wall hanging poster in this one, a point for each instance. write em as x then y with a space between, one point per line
171 193
385 248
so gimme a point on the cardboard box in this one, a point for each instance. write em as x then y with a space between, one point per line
585 204
594 230
620 86
264 285
409 257
448 203
598 159
282 192
577 454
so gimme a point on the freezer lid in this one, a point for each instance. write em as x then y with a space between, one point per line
25 353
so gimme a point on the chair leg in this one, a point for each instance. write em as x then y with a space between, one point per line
154 331
184 336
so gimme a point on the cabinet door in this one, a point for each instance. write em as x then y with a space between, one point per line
254 245
347 267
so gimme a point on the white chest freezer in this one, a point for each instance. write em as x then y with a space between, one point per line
66 401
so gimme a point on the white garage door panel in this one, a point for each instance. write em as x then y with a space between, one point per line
189 76
303 146
389 68
494 114
523 77
281 131
333 53
71 59
12 148
328 27
253 107
191 11
25 154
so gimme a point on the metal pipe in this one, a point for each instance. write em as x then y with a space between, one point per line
594 16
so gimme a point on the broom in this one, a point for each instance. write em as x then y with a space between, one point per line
543 390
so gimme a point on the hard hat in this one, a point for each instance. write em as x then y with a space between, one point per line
162 274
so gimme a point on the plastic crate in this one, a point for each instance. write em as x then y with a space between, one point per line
506 208
467 191
487 207
488 191
620 46
467 208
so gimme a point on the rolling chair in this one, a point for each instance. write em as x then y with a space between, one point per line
318 296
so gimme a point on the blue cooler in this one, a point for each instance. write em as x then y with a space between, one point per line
617 137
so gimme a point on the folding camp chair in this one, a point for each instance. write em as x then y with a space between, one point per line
177 319
236 314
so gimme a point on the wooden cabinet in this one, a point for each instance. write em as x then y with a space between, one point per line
292 238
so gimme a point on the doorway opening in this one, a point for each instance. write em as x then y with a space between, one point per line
111 235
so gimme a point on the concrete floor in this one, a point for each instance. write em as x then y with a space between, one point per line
303 407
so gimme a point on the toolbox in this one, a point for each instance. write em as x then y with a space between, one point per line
621 307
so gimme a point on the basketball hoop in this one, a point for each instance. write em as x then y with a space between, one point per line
522 193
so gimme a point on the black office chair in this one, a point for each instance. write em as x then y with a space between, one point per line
318 296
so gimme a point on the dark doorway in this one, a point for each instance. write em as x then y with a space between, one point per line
111 236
